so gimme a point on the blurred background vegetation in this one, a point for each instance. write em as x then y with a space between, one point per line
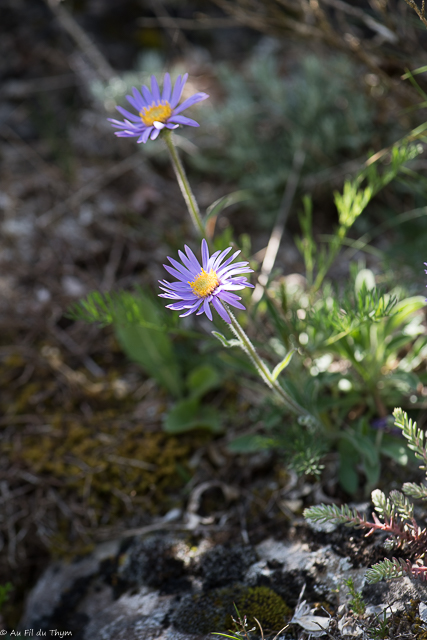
94 442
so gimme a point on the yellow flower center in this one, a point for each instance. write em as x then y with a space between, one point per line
155 113
205 283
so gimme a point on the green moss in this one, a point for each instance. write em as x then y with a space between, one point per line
101 460
213 610
407 623
265 605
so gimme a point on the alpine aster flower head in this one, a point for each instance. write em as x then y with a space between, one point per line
198 286
155 111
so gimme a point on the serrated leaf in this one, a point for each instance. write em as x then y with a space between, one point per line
282 365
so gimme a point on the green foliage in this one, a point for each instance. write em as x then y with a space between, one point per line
356 604
381 630
395 515
142 329
5 590
386 570
333 514
300 446
190 413
226 201
140 326
350 205
265 117
366 329
383 505
414 436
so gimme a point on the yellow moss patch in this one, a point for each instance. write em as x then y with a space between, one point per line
265 605
95 464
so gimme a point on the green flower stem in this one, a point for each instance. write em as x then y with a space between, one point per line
262 368
184 185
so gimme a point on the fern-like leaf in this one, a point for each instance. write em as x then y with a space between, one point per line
333 514
414 436
117 307
388 570
415 490
382 504
404 508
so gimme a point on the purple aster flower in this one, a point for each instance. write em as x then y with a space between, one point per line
155 111
198 286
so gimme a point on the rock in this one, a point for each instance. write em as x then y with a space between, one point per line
172 586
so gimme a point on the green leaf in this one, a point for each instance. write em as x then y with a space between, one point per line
224 341
403 310
201 380
415 72
372 472
348 478
189 414
151 349
226 201
251 443
283 364
347 473
395 451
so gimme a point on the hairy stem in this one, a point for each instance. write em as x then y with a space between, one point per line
262 368
184 185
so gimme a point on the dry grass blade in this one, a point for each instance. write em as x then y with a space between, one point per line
279 227
420 12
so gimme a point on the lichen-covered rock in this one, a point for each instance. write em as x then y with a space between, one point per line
222 565
174 586
152 562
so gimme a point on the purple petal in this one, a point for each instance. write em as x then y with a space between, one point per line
177 90
147 95
183 120
181 269
227 298
198 97
122 125
145 135
234 271
194 271
205 254
133 103
212 259
193 259
126 134
129 115
222 312
207 309
179 306
220 257
192 309
166 95
175 273
155 89
138 99
172 126
155 134
230 259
